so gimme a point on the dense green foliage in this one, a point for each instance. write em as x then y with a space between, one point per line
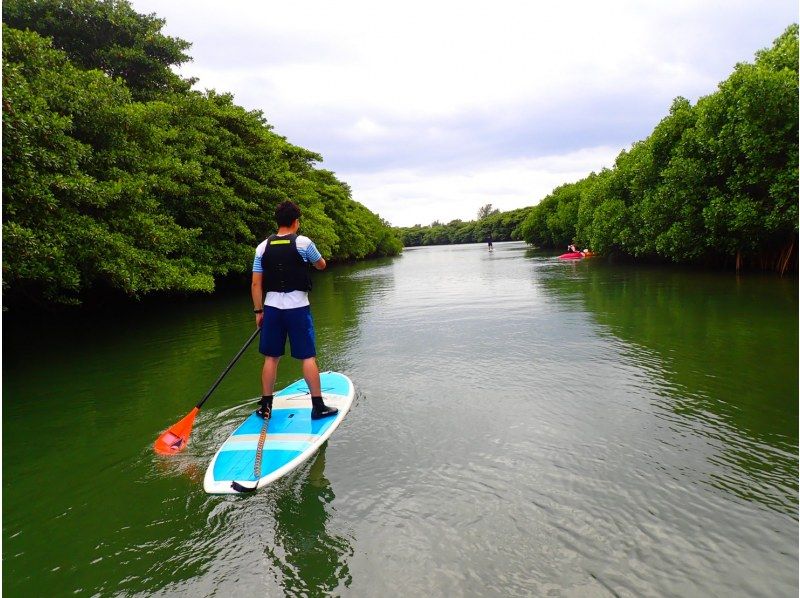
107 35
117 176
503 226
714 183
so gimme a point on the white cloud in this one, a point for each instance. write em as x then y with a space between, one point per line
423 99
406 197
365 129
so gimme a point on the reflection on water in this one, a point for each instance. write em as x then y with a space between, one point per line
544 434
523 426
306 557
721 352
80 414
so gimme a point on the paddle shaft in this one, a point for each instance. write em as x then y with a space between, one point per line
228 369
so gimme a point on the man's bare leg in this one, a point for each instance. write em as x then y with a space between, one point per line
311 375
268 375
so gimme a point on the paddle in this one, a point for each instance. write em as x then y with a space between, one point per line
176 437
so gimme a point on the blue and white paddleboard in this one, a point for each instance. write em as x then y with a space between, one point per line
292 436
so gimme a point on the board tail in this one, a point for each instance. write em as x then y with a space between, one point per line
239 488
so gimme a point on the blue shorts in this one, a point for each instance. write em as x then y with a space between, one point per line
295 323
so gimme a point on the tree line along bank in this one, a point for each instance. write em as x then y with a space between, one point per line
118 177
715 183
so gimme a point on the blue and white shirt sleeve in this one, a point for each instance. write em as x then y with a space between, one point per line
305 247
307 250
257 260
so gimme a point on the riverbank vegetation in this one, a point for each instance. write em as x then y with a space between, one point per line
117 176
502 226
716 183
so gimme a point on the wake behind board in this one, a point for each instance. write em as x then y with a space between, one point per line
292 436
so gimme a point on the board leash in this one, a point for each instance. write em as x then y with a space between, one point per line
259 449
259 453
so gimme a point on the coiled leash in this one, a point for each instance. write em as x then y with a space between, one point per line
259 453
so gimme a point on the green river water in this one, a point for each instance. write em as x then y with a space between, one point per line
523 426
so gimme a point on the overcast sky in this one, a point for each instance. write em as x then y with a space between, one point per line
429 110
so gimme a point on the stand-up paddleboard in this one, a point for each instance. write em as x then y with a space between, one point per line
292 437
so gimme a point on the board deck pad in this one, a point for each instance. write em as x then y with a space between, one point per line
292 436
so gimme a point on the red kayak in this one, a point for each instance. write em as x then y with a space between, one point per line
572 255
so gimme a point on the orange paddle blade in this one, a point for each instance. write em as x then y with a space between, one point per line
175 439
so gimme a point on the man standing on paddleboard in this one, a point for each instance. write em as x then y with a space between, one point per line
281 268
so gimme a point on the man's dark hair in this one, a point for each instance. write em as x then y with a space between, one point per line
286 213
